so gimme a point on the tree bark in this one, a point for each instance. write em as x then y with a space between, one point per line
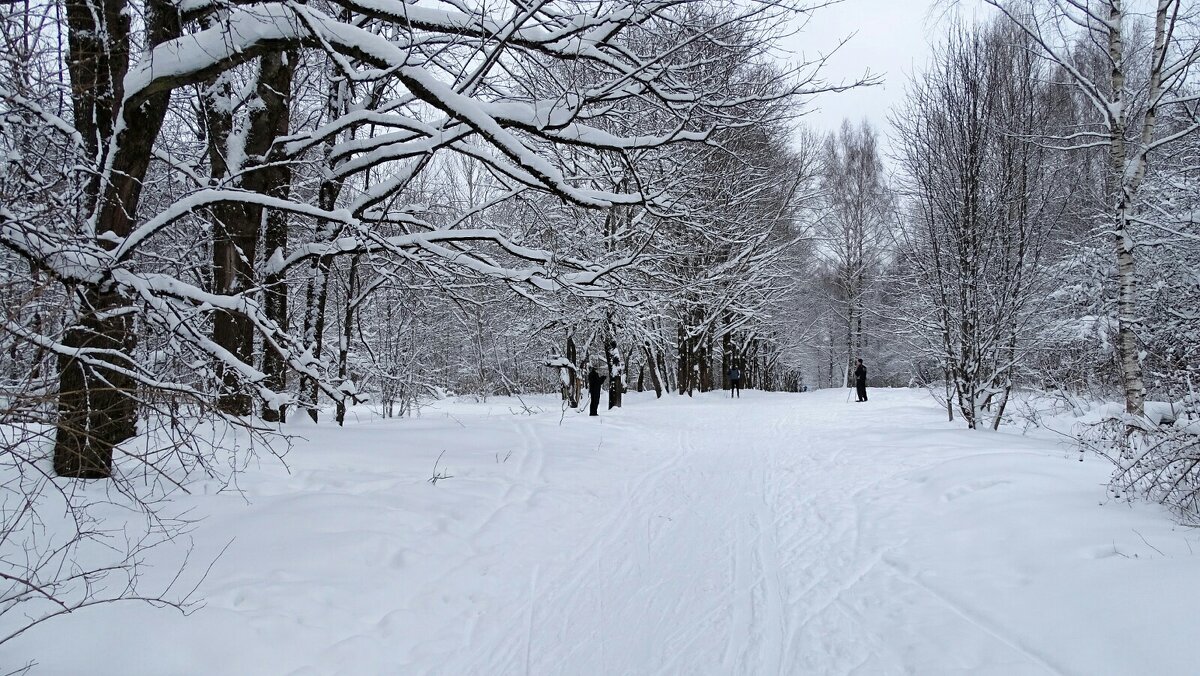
347 334
573 390
236 227
653 364
317 298
616 376
1127 315
96 409
685 364
726 356
278 72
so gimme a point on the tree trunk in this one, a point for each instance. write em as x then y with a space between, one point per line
276 182
275 305
1000 408
653 362
1127 349
573 390
663 373
706 363
96 410
685 363
317 298
727 361
616 373
949 395
236 227
347 335
235 245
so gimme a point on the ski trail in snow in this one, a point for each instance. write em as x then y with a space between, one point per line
744 537
565 586
773 534
533 575
977 620
771 577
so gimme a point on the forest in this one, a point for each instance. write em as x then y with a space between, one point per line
220 216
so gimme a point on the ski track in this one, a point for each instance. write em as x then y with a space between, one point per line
769 574
723 557
772 534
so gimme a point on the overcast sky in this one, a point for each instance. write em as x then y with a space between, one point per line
891 38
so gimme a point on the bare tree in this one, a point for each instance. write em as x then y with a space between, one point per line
515 131
1127 98
980 197
196 199
853 231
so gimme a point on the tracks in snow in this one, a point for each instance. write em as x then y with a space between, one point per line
735 542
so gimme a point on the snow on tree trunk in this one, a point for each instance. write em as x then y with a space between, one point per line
96 409
1116 105
653 365
1127 316
275 91
616 375
352 302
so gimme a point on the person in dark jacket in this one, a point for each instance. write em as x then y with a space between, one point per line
860 381
735 382
595 380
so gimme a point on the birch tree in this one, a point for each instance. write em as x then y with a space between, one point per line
853 229
1138 84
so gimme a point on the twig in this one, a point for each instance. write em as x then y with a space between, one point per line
439 476
1147 543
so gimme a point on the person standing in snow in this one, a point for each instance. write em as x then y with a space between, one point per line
860 381
735 382
595 380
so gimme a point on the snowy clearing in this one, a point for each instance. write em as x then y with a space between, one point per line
775 534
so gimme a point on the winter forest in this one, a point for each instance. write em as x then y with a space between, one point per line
245 244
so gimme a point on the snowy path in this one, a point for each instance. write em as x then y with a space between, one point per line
775 534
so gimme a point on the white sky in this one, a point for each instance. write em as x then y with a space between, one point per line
890 38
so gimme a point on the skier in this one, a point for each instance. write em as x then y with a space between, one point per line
595 380
860 381
735 382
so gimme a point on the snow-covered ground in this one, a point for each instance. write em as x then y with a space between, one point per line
775 534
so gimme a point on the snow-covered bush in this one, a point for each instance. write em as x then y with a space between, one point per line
1155 458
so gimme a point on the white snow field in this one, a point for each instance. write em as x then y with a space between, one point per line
774 534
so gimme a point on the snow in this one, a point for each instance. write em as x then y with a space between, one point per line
777 533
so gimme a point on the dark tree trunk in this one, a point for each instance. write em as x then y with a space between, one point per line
572 391
727 358
347 334
314 328
277 75
685 363
662 374
236 226
235 242
616 375
275 305
653 364
96 410
703 373
317 296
